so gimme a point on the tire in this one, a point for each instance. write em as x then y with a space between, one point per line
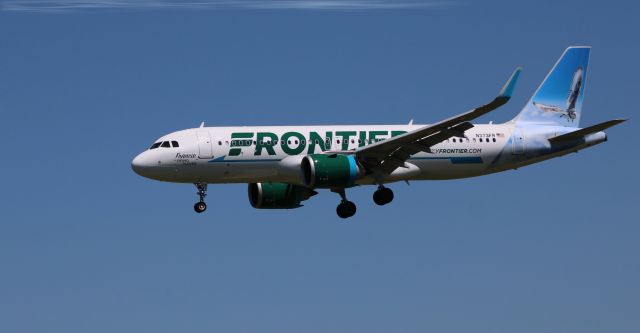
346 209
388 195
200 207
378 198
383 196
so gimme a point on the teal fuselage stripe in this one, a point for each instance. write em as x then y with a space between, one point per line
352 161
222 160
454 160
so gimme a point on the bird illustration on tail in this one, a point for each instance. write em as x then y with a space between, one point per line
572 98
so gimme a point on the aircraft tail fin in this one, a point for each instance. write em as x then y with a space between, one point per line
558 100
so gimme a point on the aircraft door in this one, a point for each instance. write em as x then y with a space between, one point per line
517 140
204 145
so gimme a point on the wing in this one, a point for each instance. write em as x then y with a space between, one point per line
386 156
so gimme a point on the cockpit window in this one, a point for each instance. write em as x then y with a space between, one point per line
155 145
175 144
166 144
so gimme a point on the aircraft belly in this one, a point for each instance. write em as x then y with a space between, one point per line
244 171
444 168
218 172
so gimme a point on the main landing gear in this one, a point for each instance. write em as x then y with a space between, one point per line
200 206
382 195
346 208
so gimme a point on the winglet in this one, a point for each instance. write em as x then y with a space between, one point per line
202 124
507 90
503 97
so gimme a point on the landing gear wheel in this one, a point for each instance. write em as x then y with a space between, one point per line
346 209
200 207
383 196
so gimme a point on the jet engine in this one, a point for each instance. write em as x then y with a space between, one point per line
278 195
327 171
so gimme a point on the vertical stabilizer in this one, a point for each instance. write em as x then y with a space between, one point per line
558 100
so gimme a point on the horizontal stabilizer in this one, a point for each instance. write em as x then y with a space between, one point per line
579 134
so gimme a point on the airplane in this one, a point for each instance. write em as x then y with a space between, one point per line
285 165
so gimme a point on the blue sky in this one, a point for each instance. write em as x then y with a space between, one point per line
87 245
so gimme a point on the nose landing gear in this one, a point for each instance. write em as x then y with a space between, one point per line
200 206
382 195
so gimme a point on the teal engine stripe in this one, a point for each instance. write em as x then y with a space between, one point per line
353 169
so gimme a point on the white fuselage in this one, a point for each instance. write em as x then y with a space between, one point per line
273 153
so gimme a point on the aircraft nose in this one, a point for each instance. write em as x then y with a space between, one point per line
141 164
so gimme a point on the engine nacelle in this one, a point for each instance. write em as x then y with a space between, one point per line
327 171
278 195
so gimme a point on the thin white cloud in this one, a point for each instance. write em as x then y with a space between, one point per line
328 5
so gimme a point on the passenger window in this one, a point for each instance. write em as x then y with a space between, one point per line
175 144
166 144
480 139
494 139
219 143
454 140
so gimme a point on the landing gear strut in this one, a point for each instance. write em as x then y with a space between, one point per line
346 208
200 206
382 195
